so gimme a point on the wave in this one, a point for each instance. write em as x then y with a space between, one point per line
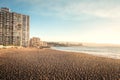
110 52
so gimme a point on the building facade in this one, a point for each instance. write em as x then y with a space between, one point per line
36 42
14 28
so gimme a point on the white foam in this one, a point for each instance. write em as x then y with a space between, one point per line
103 52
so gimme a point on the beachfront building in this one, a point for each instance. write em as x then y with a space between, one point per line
36 42
14 28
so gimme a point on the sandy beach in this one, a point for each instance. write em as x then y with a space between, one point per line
48 64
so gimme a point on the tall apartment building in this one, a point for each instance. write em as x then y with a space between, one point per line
14 28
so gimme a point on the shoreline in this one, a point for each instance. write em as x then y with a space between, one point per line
98 54
62 51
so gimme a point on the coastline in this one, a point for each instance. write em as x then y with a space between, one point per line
86 51
40 64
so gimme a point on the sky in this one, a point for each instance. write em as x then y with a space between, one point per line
96 21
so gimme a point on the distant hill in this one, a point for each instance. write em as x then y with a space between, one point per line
61 44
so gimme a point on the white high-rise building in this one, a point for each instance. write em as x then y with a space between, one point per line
14 28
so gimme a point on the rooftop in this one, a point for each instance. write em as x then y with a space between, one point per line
5 9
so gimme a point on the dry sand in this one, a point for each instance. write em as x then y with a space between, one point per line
47 64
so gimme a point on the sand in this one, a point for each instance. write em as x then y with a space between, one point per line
48 64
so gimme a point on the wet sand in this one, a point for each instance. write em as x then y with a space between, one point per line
48 64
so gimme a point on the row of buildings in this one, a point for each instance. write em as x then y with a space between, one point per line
15 29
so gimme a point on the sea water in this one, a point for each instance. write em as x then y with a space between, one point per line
110 52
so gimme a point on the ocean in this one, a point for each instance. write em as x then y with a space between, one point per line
110 52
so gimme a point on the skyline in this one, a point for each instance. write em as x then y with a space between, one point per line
95 21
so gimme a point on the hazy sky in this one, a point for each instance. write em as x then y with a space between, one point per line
71 20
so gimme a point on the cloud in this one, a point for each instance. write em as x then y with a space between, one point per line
98 9
76 8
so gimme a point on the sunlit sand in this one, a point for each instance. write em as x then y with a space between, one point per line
48 64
